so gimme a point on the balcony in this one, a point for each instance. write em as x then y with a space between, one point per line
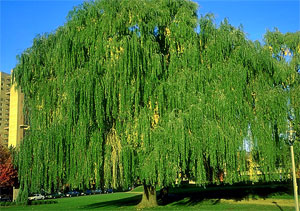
25 127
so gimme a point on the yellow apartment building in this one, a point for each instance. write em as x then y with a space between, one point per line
16 117
11 112
16 127
4 107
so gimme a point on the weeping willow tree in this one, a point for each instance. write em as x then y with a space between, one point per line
144 91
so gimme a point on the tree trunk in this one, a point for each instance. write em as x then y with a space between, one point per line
149 197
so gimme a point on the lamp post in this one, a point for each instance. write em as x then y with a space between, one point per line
291 140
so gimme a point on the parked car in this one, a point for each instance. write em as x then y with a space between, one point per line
88 192
48 196
97 191
109 190
36 197
5 198
72 193
57 195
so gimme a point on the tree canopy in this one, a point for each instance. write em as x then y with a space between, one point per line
144 90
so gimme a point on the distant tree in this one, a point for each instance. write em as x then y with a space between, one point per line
8 174
144 91
4 153
1 140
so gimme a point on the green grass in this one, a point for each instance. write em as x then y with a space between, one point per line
128 201
188 198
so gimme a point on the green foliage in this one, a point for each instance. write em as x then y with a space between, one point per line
285 45
7 203
128 91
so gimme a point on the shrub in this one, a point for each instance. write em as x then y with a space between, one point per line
7 203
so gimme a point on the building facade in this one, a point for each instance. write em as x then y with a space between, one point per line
16 117
4 107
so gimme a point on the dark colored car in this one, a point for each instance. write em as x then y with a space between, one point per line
57 195
109 190
72 193
5 198
88 192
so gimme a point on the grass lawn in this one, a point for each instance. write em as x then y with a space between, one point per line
187 198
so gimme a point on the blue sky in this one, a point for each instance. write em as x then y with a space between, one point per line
22 20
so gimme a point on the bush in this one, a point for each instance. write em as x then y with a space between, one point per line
22 203
41 202
35 202
6 203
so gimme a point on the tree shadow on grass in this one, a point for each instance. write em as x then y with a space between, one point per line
129 201
214 194
280 208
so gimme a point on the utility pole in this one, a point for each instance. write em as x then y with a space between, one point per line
291 140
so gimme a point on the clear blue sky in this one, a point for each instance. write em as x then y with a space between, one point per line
22 20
